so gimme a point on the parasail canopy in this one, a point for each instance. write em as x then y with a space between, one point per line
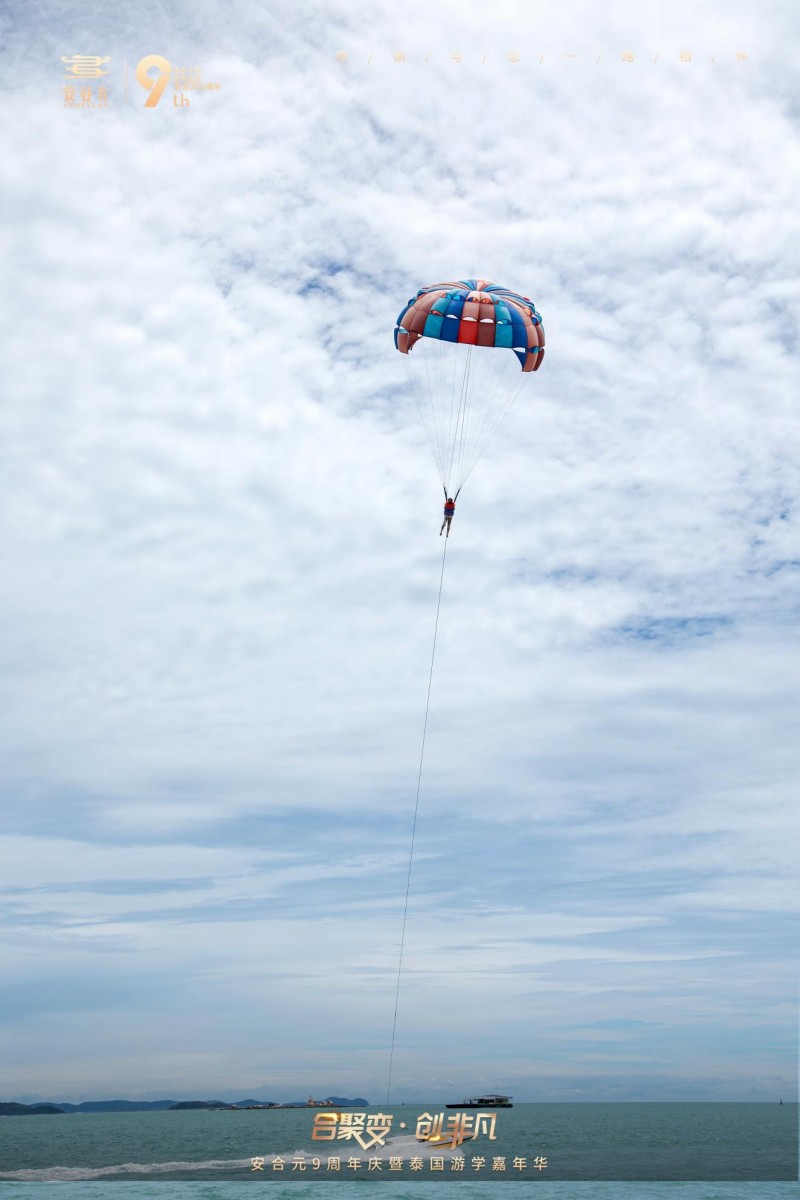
469 338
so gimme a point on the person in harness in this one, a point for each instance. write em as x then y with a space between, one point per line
449 512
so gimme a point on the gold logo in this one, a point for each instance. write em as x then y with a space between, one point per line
183 79
155 86
85 66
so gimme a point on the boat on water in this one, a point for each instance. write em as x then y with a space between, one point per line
484 1102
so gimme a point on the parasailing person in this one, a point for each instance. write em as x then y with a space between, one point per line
449 513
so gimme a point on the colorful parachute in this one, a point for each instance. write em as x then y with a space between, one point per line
464 391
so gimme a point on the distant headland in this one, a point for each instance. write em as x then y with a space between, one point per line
12 1109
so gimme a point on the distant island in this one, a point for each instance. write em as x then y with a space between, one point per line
12 1109
27 1110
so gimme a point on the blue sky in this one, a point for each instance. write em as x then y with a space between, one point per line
219 527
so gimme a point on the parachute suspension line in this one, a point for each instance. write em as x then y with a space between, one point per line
463 399
495 413
414 828
458 395
488 438
461 433
432 391
427 412
493 396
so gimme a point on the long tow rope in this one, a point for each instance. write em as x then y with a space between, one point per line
414 826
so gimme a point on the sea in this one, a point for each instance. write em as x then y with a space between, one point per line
663 1151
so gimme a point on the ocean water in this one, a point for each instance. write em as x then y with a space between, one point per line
563 1151
408 1191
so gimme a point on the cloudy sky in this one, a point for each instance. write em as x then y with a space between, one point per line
219 536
